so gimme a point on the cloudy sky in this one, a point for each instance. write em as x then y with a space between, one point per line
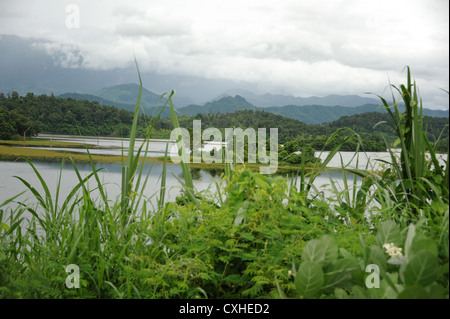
297 47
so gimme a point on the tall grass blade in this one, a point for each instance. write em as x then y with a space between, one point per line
188 183
333 152
162 191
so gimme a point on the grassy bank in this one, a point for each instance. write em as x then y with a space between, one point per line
11 153
255 236
41 143
17 150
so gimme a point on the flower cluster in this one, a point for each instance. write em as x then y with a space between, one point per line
395 253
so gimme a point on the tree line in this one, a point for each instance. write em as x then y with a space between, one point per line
28 115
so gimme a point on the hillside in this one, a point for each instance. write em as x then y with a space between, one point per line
127 94
317 134
268 100
312 114
124 97
31 114
224 105
95 98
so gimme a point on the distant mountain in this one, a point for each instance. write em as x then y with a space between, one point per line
127 94
148 110
100 100
312 114
224 105
315 114
124 97
267 100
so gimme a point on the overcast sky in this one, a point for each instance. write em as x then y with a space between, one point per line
300 47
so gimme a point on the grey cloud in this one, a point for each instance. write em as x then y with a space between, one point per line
134 23
63 55
304 47
148 28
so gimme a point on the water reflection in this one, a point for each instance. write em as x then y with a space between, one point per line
111 173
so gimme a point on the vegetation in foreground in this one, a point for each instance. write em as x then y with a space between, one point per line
256 237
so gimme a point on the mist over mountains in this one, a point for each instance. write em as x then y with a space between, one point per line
124 96
43 67
267 100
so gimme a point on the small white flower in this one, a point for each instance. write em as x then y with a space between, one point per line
395 253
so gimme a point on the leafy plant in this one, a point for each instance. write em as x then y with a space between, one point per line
417 178
255 236
406 266
322 270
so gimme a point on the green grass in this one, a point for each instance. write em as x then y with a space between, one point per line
257 236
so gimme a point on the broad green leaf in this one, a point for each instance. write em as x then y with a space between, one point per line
382 292
409 239
388 232
340 293
437 292
331 248
309 280
424 244
444 269
360 293
340 273
422 269
413 292
378 257
397 260
314 251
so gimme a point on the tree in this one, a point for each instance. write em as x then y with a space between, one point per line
6 129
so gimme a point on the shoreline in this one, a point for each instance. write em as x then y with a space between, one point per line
18 151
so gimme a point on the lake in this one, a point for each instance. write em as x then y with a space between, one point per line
110 174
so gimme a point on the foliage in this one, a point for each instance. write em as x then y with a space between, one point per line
416 178
257 236
58 115
49 114
293 153
15 123
404 264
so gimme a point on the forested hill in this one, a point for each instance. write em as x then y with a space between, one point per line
317 134
124 97
100 100
313 114
32 114
49 114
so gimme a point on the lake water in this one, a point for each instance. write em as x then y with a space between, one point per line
110 174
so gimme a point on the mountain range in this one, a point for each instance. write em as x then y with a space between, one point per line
312 114
267 100
327 110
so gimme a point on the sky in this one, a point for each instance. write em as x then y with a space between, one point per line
299 47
